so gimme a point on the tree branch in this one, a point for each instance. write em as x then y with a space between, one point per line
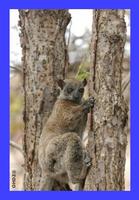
16 146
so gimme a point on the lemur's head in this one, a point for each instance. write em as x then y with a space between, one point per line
72 89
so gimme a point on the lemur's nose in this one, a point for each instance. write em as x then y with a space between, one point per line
76 96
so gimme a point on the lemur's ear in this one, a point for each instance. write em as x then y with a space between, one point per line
84 82
61 83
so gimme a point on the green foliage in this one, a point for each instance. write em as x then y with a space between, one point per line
82 72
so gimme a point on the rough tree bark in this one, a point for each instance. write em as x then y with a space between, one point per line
107 136
44 60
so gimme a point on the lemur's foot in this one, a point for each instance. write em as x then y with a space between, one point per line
87 159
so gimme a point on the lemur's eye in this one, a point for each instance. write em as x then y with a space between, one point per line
81 90
69 90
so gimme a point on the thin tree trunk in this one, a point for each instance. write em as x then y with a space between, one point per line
44 60
107 136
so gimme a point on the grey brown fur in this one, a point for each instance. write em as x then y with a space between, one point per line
62 156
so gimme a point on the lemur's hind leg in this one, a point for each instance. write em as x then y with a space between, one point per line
78 166
46 182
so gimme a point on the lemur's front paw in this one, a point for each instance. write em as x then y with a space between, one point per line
89 103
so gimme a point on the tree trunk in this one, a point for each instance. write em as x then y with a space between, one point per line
44 60
107 136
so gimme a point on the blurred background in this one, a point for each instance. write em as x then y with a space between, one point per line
78 37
